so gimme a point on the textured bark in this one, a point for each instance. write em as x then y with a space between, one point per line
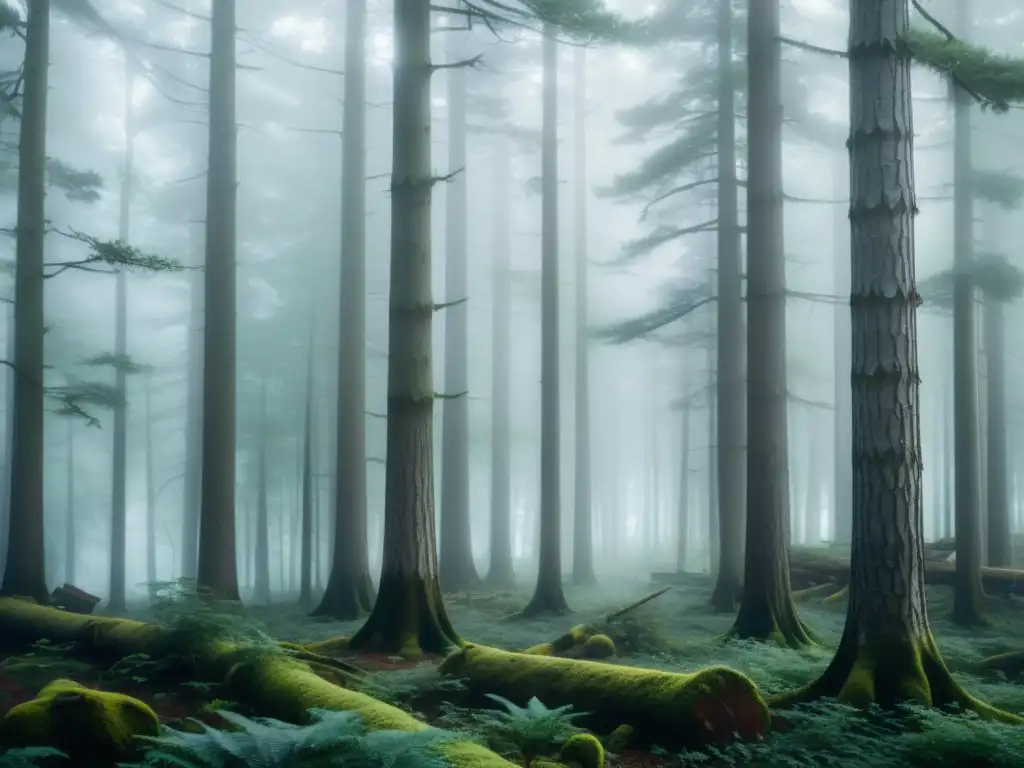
731 391
119 481
767 611
458 572
25 566
409 616
548 596
812 509
948 475
500 573
842 478
261 554
967 593
997 473
886 655
350 592
683 521
306 472
150 488
217 565
70 527
583 517
714 535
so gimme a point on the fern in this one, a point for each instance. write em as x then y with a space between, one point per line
528 732
331 739
28 757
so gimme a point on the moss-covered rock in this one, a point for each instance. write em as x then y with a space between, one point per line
599 647
575 638
582 750
711 705
81 722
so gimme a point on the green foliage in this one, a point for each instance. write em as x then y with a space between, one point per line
118 363
29 757
992 274
407 688
331 739
74 399
996 80
1003 188
78 186
115 254
582 19
10 18
682 300
45 662
526 732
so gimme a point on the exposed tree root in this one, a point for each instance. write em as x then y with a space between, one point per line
889 673
1010 664
819 590
837 597
408 620
580 642
348 596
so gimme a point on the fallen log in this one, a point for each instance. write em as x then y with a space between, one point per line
269 680
710 706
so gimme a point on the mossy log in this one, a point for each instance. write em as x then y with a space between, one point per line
1010 665
82 723
272 684
580 642
672 710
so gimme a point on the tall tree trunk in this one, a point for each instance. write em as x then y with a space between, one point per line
999 544
548 596
458 572
192 490
886 654
150 488
714 532
583 519
25 566
731 391
409 616
70 526
261 574
306 553
350 592
119 509
682 532
218 569
812 511
842 478
967 592
767 611
501 573
948 451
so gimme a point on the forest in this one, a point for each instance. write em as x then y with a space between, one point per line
497 383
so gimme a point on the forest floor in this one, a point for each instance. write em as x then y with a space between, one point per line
674 632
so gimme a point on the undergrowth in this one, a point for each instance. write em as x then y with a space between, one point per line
29 757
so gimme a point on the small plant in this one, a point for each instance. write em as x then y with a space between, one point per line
332 739
527 732
28 757
410 689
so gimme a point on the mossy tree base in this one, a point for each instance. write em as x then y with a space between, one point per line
408 620
348 596
889 672
459 575
967 614
1010 664
725 597
772 621
548 600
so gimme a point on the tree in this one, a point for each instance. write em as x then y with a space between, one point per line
350 592
767 610
217 565
887 654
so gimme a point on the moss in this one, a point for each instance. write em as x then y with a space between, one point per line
619 739
575 637
78 721
583 750
332 646
599 647
669 709
891 672
1010 664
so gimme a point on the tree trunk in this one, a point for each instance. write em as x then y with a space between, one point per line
119 509
842 478
150 488
349 592
999 549
192 490
682 532
812 510
409 616
70 533
767 611
261 555
583 519
967 594
886 654
306 554
25 566
501 572
217 568
714 533
458 572
548 596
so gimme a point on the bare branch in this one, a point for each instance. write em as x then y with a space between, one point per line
446 305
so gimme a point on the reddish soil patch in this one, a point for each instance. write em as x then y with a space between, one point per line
632 759
381 662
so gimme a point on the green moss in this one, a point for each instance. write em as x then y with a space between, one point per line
583 750
662 707
599 647
575 637
78 721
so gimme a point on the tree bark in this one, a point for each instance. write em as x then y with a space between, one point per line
886 654
458 571
350 591
767 611
501 573
812 509
548 596
70 527
999 542
25 566
682 532
842 479
217 568
119 482
261 555
583 519
409 616
306 536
